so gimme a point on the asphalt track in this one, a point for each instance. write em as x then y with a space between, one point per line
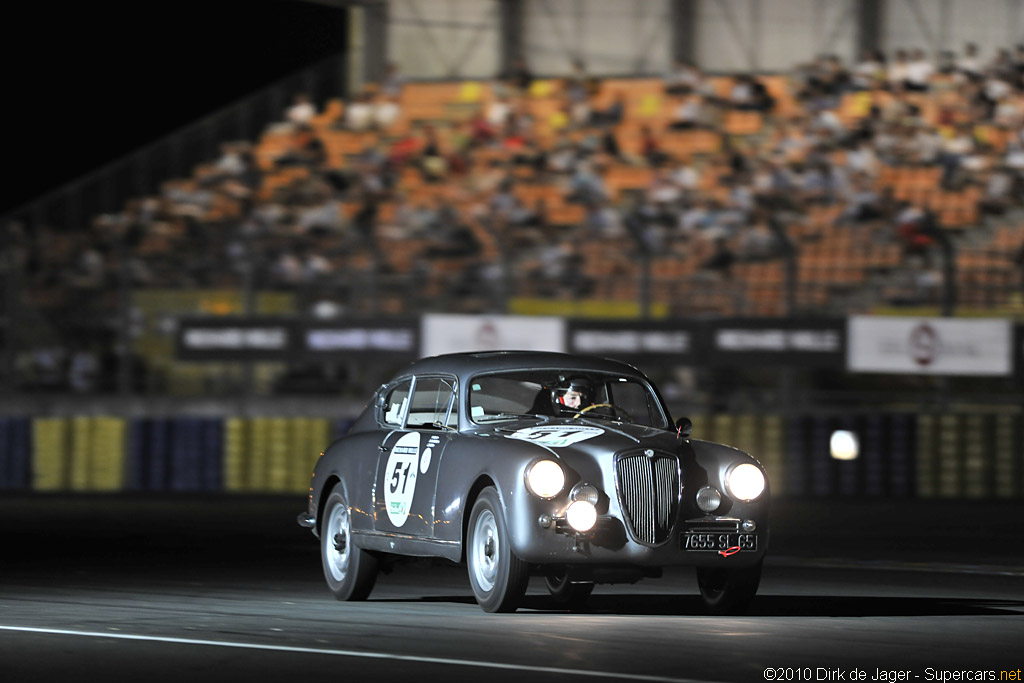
142 588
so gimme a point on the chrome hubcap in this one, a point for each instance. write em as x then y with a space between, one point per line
485 551
336 547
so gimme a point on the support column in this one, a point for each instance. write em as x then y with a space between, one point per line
869 25
683 15
375 41
511 24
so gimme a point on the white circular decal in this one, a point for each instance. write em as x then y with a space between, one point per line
425 459
400 478
556 436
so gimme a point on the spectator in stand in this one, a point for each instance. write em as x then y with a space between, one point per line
391 84
919 72
870 73
969 64
359 113
301 112
519 76
683 79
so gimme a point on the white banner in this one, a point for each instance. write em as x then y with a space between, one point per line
930 346
455 333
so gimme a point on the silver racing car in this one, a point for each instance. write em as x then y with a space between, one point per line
526 463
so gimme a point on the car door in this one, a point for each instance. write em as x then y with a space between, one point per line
406 481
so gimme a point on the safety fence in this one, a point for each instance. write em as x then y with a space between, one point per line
899 455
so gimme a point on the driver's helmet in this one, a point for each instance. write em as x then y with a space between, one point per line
573 394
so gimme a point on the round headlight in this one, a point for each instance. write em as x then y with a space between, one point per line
708 499
745 482
545 478
581 515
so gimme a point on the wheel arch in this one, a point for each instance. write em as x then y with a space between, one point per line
329 485
483 481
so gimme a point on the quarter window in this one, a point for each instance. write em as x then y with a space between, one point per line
395 403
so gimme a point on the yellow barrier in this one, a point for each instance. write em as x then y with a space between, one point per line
50 454
80 453
272 454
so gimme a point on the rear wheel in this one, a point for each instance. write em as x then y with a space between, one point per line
350 571
497 576
728 591
566 594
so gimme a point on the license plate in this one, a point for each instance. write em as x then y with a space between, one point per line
719 542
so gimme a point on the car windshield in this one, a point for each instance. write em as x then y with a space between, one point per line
543 394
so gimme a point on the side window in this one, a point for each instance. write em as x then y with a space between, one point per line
432 404
395 403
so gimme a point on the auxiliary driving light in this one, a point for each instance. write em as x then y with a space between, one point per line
587 492
581 515
545 478
745 482
708 499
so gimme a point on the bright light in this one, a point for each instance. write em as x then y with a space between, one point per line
545 479
746 482
581 515
844 445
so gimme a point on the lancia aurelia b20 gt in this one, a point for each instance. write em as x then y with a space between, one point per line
522 463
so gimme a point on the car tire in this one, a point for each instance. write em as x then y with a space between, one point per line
350 571
497 576
728 591
566 594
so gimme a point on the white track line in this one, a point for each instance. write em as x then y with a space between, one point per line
351 653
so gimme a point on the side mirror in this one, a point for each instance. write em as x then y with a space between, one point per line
684 427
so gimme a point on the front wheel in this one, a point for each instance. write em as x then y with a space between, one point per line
497 576
350 571
728 591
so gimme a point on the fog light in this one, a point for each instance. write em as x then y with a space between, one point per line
587 492
708 499
581 515
749 526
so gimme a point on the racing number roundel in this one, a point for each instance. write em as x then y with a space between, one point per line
400 478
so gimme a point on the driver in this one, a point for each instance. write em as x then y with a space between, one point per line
573 394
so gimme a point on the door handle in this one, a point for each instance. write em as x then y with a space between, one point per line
383 449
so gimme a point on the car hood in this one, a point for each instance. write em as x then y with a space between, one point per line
596 437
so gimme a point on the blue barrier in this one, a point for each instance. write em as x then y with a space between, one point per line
176 454
15 452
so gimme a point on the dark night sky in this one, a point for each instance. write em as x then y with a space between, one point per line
89 82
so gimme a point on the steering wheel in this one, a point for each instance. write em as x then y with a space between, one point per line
615 409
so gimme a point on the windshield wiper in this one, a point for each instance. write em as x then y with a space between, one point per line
508 416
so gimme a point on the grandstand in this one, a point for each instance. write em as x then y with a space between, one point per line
581 181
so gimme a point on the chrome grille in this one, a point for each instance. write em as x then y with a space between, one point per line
649 494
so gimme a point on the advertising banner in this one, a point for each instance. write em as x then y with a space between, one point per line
229 338
443 333
930 346
378 338
769 342
634 340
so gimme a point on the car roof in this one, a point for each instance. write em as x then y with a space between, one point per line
472 363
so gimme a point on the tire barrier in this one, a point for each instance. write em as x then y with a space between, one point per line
15 452
178 454
79 454
970 456
883 468
272 454
961 455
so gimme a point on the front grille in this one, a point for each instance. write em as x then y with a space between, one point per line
649 494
